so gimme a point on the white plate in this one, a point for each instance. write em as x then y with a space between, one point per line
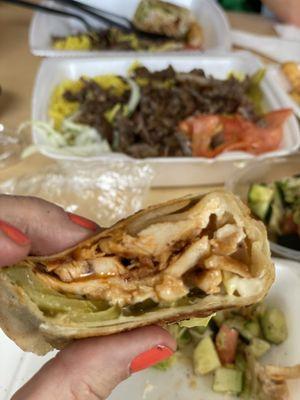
178 383
169 171
284 87
211 17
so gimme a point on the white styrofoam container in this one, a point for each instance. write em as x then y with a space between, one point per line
284 87
211 17
170 171
17 367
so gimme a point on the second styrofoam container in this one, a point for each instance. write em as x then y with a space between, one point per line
170 171
213 20
284 87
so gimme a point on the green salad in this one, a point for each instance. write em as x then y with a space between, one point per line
229 346
277 204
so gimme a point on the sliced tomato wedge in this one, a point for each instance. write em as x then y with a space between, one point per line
214 134
226 344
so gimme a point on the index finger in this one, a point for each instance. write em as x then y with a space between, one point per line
49 228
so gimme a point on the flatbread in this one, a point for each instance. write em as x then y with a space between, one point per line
161 254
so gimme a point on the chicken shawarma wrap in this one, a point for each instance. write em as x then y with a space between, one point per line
184 258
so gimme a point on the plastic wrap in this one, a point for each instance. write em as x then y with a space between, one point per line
11 146
104 192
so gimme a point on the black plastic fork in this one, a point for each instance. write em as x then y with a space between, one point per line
49 10
110 18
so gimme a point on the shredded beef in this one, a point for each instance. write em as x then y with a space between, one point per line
167 98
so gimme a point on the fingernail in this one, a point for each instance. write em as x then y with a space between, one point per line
81 221
149 358
14 234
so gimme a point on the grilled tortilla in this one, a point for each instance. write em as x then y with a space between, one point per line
184 258
164 18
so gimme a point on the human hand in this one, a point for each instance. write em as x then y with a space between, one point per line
288 11
87 369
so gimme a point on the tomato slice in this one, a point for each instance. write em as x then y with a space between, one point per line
226 344
214 134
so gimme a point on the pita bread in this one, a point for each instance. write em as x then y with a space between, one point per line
186 257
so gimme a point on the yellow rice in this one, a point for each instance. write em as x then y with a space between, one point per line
79 42
60 108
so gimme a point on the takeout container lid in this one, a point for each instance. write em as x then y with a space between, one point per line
213 20
170 171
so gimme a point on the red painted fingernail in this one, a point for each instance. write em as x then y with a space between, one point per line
85 223
150 357
14 234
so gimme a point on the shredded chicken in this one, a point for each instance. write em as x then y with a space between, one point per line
69 273
226 263
227 238
171 289
190 257
107 266
162 261
209 281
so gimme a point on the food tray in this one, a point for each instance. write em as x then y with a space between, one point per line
211 17
175 171
17 367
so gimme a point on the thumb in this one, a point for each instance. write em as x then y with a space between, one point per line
92 368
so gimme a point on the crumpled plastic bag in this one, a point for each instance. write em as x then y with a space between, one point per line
103 192
12 146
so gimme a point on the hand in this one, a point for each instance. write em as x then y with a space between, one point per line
288 11
87 369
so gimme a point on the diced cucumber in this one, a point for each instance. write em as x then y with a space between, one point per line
259 347
240 362
274 326
247 329
277 211
290 188
228 380
259 199
253 328
183 338
205 357
246 393
218 318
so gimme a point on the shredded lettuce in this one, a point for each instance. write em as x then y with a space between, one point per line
195 322
72 139
165 364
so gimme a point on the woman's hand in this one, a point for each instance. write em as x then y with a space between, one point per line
288 11
87 369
